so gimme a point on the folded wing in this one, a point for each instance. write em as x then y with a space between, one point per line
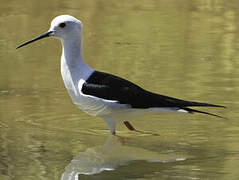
110 87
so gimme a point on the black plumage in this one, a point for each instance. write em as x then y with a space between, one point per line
110 87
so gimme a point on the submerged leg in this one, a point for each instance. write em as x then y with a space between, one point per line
111 124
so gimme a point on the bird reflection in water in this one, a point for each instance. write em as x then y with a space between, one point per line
112 154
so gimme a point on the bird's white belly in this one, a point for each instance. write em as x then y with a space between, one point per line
95 107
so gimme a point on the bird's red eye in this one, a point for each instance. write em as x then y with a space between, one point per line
62 25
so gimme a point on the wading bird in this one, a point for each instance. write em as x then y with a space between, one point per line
101 94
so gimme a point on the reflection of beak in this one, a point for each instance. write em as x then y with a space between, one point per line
44 35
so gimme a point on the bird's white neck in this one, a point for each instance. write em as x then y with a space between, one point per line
73 68
72 50
72 59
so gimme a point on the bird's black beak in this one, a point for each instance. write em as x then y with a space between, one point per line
44 35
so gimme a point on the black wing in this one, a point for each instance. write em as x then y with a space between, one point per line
110 87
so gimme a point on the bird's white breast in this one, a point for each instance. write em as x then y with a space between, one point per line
74 80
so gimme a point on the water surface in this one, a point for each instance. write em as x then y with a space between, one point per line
186 49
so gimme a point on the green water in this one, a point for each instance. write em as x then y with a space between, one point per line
186 49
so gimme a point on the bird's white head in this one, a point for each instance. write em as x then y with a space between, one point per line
65 26
62 27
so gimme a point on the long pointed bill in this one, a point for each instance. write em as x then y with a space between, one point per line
44 35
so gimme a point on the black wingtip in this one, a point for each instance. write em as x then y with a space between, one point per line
215 105
205 104
189 110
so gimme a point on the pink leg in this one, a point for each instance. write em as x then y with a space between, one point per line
129 126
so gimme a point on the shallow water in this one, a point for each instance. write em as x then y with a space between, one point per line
186 49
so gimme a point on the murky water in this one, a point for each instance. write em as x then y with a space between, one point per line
186 49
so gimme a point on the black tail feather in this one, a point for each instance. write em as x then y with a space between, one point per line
203 112
192 103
